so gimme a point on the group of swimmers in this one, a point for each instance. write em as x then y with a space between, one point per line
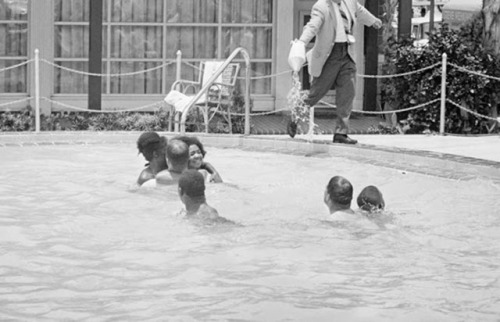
180 162
339 195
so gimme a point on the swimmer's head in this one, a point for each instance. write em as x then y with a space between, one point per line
192 140
192 184
150 143
339 190
178 154
371 199
196 151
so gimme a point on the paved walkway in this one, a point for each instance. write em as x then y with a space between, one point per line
276 124
485 147
479 147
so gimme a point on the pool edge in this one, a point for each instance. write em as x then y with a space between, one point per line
426 162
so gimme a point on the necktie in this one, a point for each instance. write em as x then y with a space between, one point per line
347 25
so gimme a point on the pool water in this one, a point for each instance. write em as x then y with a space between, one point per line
79 242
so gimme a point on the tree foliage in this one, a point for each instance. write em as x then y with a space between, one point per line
463 48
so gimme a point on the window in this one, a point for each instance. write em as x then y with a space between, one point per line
71 43
13 45
144 34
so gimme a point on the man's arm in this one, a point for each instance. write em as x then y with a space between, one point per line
365 17
312 28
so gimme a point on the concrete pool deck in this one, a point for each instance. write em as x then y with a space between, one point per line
485 147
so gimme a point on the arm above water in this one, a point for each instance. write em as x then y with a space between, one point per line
145 175
214 175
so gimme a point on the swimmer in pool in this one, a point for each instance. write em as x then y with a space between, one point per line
371 200
196 158
177 161
152 146
338 196
192 194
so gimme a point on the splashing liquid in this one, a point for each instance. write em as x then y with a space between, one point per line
299 110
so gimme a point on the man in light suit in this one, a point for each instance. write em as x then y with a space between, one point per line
331 60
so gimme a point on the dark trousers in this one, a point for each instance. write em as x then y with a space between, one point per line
339 71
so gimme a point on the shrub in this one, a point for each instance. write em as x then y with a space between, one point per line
463 48
121 121
86 121
22 121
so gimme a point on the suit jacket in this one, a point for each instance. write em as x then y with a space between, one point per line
323 25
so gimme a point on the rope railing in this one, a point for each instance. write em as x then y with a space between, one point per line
76 108
27 99
465 70
76 71
471 111
402 74
263 113
191 65
16 66
251 77
443 100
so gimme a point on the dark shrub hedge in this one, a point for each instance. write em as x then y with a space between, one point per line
463 48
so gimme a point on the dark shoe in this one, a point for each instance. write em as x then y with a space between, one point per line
291 129
343 138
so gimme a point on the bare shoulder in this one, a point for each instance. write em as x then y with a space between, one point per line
145 175
207 212
165 177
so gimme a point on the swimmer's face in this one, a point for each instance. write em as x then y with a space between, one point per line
195 157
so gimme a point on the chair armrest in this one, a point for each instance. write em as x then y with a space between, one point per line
218 87
182 85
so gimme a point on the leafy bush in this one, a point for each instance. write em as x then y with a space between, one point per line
23 121
85 121
463 48
120 121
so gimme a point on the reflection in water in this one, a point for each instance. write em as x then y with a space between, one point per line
78 243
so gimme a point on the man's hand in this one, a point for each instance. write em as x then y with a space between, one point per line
377 24
300 41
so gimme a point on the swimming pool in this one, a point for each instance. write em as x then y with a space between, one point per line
79 243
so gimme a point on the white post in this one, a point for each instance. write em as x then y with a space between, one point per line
179 65
37 91
177 118
247 93
443 96
310 132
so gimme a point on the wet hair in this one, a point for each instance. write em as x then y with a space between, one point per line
371 199
340 190
149 142
192 140
192 183
177 153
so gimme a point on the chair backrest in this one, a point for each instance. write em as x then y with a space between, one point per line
228 77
